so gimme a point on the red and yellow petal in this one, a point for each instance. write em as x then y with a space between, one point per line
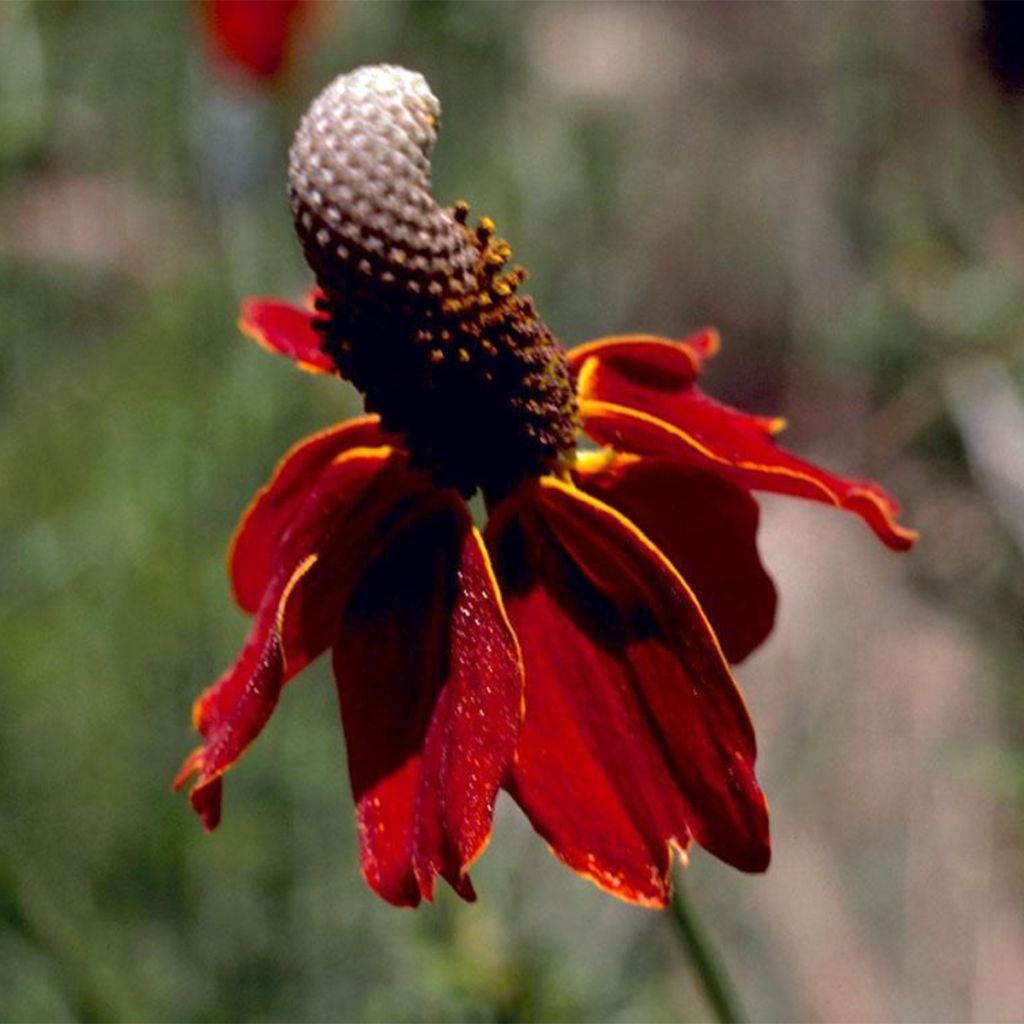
318 558
663 361
629 401
430 686
254 546
705 526
635 736
286 330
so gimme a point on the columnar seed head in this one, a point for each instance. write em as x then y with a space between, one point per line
359 181
419 310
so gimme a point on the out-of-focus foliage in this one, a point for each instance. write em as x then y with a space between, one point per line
840 188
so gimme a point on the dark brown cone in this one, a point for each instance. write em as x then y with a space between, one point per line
420 312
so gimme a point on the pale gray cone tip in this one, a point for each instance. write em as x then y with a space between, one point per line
359 183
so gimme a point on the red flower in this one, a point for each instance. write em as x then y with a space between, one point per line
576 652
254 36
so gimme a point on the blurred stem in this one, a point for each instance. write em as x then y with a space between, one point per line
712 976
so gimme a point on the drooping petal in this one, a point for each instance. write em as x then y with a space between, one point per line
286 330
254 546
635 736
318 558
629 401
430 686
706 527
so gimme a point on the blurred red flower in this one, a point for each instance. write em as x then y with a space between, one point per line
254 36
576 653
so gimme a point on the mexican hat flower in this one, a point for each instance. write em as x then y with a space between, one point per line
576 651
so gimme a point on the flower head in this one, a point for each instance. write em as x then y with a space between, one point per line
576 652
419 311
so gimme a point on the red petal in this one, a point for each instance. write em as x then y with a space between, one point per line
254 546
317 559
628 400
430 685
706 527
635 735
231 713
254 35
651 356
286 330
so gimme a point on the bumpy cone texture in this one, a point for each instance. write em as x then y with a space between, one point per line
418 310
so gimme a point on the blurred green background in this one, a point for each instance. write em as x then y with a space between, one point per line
839 188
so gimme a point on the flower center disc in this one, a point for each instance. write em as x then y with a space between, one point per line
419 310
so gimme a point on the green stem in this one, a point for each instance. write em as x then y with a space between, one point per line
709 969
